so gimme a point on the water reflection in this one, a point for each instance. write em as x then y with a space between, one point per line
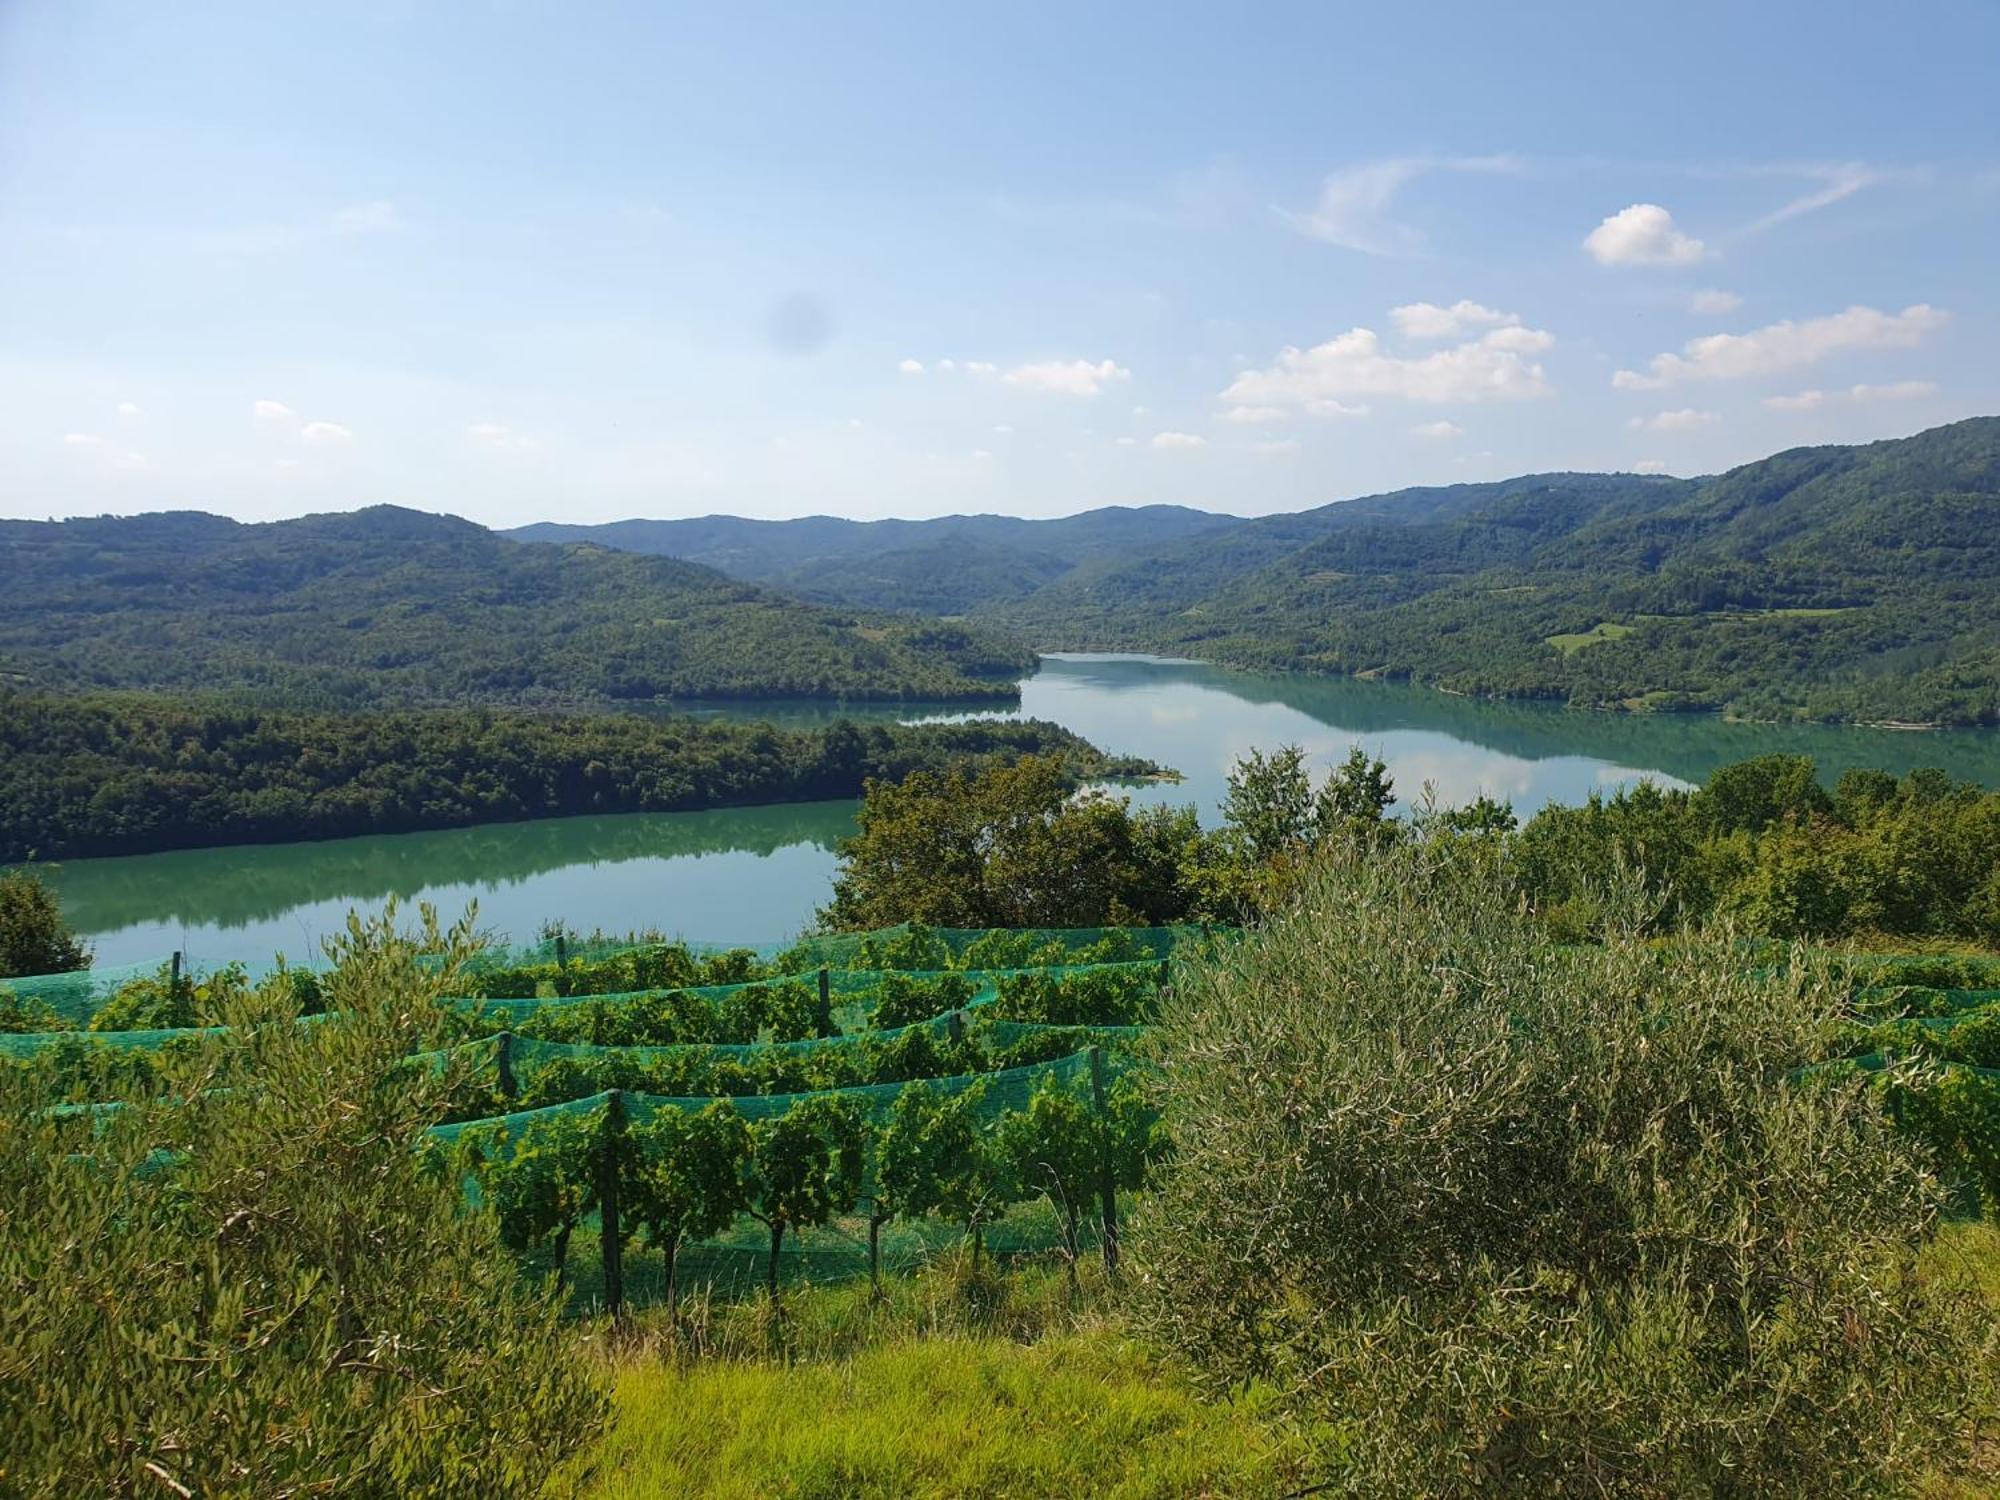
758 874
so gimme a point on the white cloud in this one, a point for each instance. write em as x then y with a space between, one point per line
1257 414
272 411
1128 442
1181 442
1687 419
82 439
325 434
1900 390
981 455
1785 346
129 412
1072 377
1426 320
1803 401
984 366
1280 446
1650 466
1353 207
1491 368
1714 302
130 462
1642 235
911 367
1003 428
1442 432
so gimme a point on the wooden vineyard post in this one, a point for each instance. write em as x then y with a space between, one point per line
825 1017
174 983
955 1027
611 1240
1107 1191
504 1061
562 951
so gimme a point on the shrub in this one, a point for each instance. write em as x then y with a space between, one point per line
1520 1220
34 939
257 1285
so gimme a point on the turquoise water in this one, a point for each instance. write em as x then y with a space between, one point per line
756 875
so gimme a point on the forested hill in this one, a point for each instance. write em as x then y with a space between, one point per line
949 565
393 606
1838 582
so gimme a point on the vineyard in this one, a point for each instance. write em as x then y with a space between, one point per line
856 1104
845 1107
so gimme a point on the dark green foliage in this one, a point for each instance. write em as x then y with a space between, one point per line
258 1285
1835 583
1010 847
1061 1149
130 775
1086 997
33 936
1503 1218
389 606
686 1180
804 1167
1764 844
903 999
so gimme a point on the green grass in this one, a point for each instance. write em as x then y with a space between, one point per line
951 1385
1575 641
955 1385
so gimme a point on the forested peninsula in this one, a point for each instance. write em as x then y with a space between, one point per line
128 775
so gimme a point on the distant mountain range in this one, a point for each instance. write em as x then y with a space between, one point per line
399 606
1857 583
948 566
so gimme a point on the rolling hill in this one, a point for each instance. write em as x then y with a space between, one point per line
393 606
947 566
1856 583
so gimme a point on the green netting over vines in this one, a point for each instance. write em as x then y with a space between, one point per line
76 996
735 1261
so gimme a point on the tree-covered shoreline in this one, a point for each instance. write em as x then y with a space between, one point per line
82 777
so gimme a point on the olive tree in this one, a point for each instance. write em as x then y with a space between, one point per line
1498 1215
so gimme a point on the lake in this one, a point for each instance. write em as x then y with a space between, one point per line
756 875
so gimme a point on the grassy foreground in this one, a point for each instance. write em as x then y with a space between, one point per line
950 1389
951 1386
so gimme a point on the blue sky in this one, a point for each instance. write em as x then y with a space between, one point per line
522 261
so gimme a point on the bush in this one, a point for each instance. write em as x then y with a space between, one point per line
258 1285
34 939
1505 1218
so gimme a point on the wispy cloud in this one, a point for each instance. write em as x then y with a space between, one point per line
1784 346
1354 204
1837 180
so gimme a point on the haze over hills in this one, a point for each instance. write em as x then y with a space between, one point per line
947 565
388 605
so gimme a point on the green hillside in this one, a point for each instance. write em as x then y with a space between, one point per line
1842 582
394 606
948 565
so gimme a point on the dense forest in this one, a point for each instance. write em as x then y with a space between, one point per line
947 565
1854 583
123 775
1761 843
1842 583
389 607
